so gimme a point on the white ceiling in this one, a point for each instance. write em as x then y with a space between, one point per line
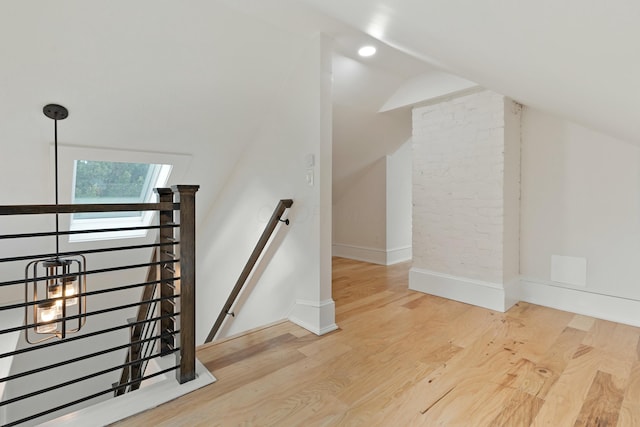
361 86
577 59
202 73
147 75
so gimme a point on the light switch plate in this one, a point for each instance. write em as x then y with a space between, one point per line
309 177
309 160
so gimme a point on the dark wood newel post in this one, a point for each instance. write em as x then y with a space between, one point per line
167 326
186 196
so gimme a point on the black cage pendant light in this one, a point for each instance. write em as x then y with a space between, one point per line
55 287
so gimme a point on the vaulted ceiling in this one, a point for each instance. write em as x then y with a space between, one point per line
149 75
577 59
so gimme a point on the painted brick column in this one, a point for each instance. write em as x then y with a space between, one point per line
466 199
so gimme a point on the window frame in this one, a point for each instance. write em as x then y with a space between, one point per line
173 169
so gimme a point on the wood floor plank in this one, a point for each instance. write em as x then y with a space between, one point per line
520 410
583 323
250 369
247 352
600 334
630 409
564 400
602 405
555 360
402 358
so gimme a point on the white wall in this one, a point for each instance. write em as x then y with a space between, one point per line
360 216
204 80
580 198
274 167
372 217
399 204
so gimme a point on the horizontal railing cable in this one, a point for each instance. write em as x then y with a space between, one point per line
74 381
89 314
147 348
87 335
84 399
87 294
149 338
81 358
89 231
86 273
87 251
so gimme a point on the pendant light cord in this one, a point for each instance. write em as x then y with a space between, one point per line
55 142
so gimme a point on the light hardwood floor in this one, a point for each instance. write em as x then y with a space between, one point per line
402 358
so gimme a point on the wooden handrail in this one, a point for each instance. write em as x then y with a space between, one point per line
81 208
257 251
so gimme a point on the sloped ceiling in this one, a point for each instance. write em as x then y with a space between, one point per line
146 75
577 59
362 135
361 86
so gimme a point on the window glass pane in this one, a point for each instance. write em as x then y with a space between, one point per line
113 182
104 180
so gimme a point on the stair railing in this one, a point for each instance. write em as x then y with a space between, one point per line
140 333
275 219
173 273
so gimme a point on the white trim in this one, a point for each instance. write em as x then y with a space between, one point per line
511 292
113 410
317 317
476 292
360 253
372 255
607 307
401 254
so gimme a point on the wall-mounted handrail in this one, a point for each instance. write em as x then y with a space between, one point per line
257 251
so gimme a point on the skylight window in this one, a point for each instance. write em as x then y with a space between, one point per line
103 175
114 182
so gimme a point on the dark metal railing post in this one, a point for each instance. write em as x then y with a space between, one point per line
166 275
186 196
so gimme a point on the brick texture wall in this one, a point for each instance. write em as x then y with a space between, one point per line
458 186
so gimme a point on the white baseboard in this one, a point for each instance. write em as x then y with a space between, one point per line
607 307
372 255
548 294
129 404
476 292
360 253
317 317
397 255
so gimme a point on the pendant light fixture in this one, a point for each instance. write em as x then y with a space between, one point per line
54 287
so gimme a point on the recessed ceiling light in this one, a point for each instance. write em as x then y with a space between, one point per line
367 51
